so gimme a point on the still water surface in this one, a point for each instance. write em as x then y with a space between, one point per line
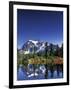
22 74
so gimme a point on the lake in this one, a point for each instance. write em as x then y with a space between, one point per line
22 74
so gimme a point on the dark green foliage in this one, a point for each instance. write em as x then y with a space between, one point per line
25 61
51 49
57 51
61 51
46 49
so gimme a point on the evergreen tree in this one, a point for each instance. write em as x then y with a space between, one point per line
61 50
51 49
46 49
34 66
57 51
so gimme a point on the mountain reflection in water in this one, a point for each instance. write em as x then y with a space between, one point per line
22 74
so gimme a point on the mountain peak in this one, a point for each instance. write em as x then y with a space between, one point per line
39 46
33 41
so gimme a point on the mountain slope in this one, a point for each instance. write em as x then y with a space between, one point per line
34 46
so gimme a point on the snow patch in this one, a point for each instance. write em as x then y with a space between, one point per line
41 48
34 41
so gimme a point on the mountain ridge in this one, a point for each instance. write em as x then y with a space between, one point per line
35 46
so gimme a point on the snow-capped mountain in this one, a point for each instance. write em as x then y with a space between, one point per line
34 46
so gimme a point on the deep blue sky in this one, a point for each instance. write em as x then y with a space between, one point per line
39 25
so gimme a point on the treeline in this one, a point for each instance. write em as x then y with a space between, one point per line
51 51
46 54
57 52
